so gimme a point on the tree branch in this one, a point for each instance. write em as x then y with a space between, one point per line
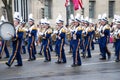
10 2
4 2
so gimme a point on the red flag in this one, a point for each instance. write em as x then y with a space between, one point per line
81 4
66 3
77 4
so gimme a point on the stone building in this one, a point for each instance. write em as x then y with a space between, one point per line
51 8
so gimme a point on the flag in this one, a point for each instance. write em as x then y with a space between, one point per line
77 4
66 3
80 3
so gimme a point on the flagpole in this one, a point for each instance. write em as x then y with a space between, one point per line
82 11
67 15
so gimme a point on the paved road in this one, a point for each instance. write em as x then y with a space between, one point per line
91 69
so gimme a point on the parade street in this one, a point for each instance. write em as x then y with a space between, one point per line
91 69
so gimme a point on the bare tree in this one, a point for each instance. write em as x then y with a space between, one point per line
8 7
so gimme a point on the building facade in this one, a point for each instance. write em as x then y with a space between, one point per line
52 8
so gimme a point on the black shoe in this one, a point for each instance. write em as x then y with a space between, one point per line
33 59
6 57
8 64
70 51
58 62
73 65
46 61
29 59
102 58
78 64
89 56
63 62
18 65
117 60
40 53
109 57
83 56
49 60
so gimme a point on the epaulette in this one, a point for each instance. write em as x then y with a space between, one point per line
20 30
34 28
63 30
107 27
49 31
79 28
89 30
93 28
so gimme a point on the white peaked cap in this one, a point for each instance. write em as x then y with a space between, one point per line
45 21
113 20
104 16
99 16
82 18
86 18
3 18
90 20
59 19
22 21
115 16
118 20
17 16
31 17
72 17
77 15
42 21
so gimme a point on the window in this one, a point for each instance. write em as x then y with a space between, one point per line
111 9
48 9
21 6
91 9
42 12
16 5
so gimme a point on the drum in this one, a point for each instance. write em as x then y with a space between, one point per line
7 31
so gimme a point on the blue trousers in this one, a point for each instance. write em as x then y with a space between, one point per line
16 53
31 51
61 53
117 49
47 52
76 55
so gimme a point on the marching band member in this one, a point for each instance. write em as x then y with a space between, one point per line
105 34
92 33
4 43
98 31
61 41
71 27
77 36
47 39
87 38
23 30
117 39
32 32
17 41
40 33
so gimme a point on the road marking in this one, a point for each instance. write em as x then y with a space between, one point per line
68 56
97 63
